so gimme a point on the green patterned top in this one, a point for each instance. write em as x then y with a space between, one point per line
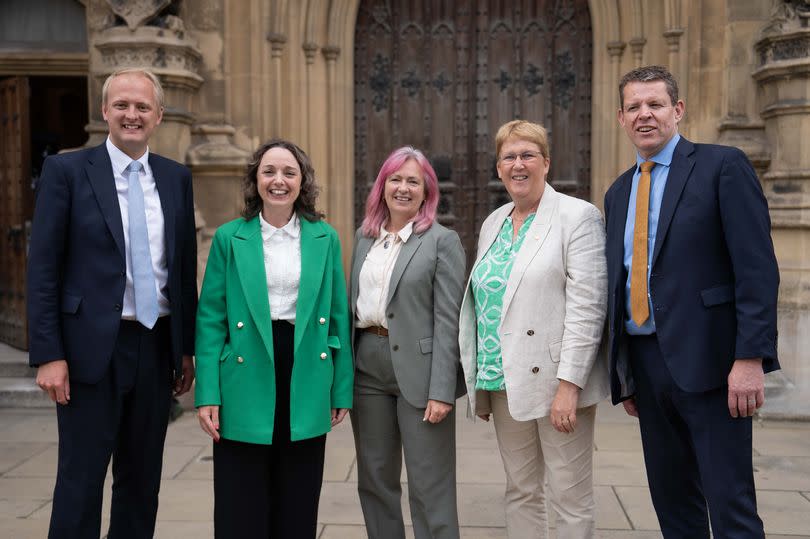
489 279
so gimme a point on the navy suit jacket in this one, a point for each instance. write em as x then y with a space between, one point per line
713 278
77 264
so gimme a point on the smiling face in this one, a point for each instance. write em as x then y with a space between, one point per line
404 192
648 116
131 112
524 179
278 181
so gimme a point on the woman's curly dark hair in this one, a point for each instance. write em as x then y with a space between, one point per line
304 205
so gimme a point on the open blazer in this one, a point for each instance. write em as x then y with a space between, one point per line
553 309
422 309
235 336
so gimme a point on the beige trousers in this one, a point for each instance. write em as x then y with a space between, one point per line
534 455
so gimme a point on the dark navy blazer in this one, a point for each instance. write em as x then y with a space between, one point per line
77 265
713 278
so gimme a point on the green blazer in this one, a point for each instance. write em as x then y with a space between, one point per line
234 341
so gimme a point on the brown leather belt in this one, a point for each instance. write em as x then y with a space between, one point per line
376 330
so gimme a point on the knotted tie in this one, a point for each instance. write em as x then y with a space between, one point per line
143 278
639 307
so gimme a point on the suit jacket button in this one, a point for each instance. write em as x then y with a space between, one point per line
117 307
123 273
530 332
390 315
395 347
323 355
322 320
240 325
240 359
535 370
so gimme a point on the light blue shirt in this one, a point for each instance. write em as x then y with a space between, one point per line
658 181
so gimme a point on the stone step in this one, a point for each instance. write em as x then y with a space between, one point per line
14 363
22 392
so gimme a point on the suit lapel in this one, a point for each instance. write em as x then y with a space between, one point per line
167 204
618 222
102 181
314 252
248 256
361 251
532 242
405 255
679 171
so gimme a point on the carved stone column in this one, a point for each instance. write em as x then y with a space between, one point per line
147 33
783 77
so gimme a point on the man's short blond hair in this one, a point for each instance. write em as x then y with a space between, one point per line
134 71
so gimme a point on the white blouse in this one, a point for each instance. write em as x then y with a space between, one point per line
375 277
282 266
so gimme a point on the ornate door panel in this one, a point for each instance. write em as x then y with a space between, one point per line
16 204
443 75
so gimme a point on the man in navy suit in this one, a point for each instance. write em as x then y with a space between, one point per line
693 286
112 299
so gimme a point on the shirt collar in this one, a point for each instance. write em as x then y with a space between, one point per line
120 160
663 157
292 229
404 233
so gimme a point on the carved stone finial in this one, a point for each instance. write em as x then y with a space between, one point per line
136 12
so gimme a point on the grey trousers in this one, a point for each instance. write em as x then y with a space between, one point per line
384 425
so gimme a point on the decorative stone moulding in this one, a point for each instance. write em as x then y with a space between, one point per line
176 59
216 151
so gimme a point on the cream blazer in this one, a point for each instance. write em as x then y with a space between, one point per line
553 309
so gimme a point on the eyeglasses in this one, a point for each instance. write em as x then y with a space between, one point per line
525 157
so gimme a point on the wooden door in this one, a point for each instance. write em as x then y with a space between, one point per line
443 75
16 208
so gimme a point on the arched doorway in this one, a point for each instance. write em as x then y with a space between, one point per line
444 75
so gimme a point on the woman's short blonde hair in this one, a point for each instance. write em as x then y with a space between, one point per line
524 130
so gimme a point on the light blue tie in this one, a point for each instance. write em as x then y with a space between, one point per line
143 278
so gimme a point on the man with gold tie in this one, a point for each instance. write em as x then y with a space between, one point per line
693 286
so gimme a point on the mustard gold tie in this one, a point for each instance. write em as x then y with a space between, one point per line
639 307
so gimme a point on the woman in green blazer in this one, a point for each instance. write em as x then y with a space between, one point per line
274 366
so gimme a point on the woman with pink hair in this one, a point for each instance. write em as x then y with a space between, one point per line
407 281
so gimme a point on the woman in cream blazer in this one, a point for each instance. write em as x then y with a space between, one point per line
530 327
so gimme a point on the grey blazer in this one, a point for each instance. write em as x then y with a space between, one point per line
424 297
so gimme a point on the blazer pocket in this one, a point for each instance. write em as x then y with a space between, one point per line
333 342
226 353
426 345
717 295
554 350
70 303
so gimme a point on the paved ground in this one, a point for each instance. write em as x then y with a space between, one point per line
28 464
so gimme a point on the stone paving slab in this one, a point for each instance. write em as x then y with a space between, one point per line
624 510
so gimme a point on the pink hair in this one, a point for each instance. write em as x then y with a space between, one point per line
376 209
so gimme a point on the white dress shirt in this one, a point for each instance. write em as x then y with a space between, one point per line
282 266
154 226
375 276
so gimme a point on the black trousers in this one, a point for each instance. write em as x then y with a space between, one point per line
698 457
124 416
270 491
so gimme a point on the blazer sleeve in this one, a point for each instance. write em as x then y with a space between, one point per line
343 381
585 298
747 230
448 290
45 258
212 324
189 268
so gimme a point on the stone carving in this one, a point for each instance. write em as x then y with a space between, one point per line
136 12
787 15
